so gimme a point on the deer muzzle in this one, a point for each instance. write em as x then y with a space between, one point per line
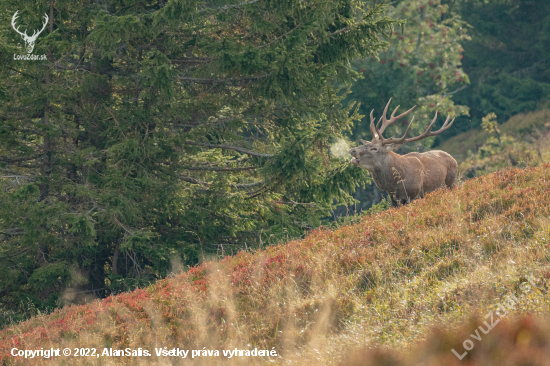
354 159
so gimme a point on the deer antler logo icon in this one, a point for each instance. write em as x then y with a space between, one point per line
29 40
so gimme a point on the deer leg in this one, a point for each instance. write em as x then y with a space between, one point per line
418 193
394 202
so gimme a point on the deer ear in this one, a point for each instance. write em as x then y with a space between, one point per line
394 147
363 141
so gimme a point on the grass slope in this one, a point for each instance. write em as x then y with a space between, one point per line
530 126
384 281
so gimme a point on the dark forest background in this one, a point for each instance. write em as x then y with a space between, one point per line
161 133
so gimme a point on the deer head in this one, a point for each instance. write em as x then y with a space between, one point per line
29 40
374 152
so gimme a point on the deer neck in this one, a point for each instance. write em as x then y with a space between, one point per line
383 173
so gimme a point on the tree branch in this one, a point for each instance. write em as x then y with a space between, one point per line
228 6
248 185
193 60
456 91
18 160
338 31
13 232
284 35
311 204
257 192
219 81
192 180
235 148
122 226
186 178
22 73
18 176
215 169
526 70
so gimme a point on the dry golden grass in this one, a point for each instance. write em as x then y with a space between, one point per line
382 282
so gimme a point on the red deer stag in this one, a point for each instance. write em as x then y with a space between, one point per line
404 177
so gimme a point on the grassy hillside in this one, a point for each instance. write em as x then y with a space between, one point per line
521 341
524 126
384 281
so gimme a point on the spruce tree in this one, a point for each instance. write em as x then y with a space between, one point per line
157 132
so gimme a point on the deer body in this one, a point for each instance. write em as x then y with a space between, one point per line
405 177
440 169
410 176
400 176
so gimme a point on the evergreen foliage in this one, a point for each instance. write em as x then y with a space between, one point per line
422 66
158 131
507 59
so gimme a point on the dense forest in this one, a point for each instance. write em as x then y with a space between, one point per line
160 133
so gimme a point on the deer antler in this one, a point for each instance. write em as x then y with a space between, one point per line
377 133
17 28
426 133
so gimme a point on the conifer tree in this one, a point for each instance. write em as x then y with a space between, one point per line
159 131
422 66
